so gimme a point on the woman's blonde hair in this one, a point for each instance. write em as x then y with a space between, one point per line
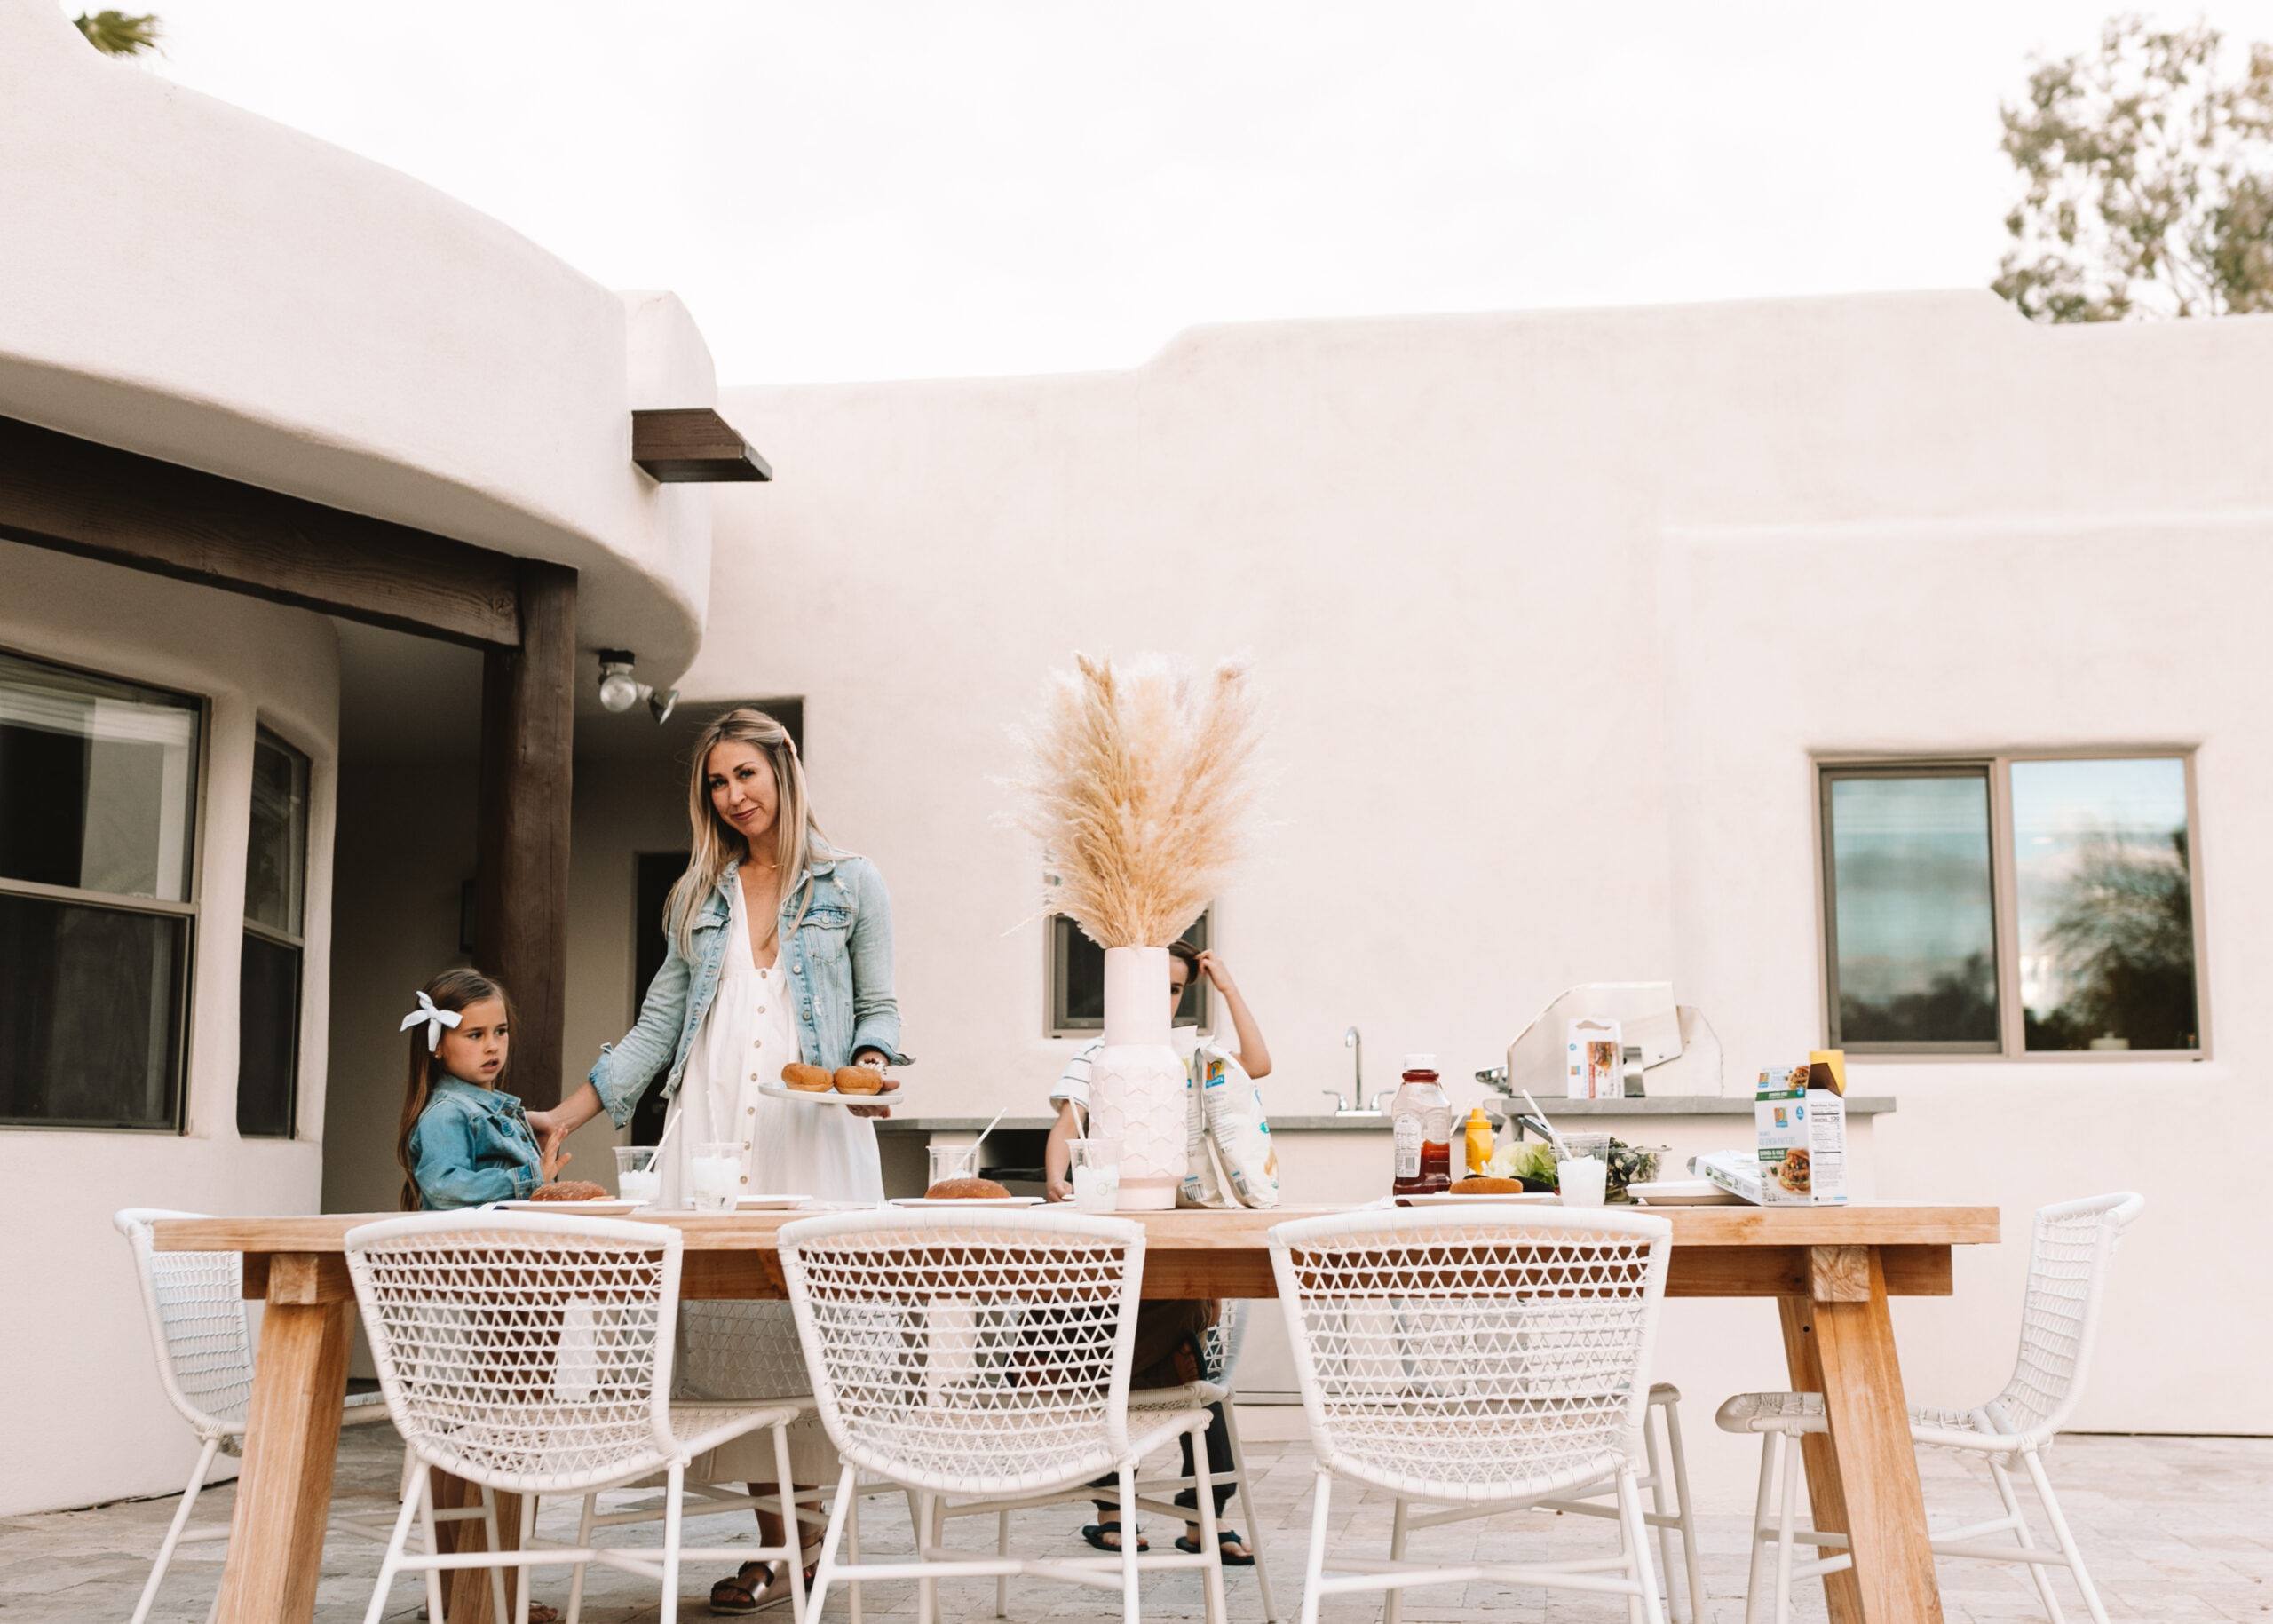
714 844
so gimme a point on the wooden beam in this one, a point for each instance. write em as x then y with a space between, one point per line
694 446
521 862
96 500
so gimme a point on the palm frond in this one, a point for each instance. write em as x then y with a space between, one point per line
1142 784
120 34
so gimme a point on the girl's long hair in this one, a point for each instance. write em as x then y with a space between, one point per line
715 843
452 990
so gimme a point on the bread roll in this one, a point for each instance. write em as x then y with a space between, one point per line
1482 1185
570 1190
806 1079
966 1190
859 1079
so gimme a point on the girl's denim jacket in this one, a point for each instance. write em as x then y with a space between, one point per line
472 1144
840 983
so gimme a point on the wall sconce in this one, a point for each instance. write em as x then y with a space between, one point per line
620 690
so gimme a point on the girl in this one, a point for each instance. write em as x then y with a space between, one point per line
465 1140
779 950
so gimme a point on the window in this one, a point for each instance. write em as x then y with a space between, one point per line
268 985
1077 979
98 818
2020 905
653 875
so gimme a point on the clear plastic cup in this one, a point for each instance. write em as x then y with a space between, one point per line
1583 1181
715 1177
953 1161
637 1178
1095 1169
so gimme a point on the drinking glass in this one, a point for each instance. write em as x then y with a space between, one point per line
637 1178
1583 1181
716 1176
953 1161
1095 1171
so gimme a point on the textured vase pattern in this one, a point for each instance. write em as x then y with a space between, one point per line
1137 1096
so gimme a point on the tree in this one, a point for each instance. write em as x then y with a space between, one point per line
119 34
2150 180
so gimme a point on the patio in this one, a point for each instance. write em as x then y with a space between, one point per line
2176 1528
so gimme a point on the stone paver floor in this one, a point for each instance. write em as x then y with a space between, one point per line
2177 1528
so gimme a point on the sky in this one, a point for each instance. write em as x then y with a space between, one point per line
846 189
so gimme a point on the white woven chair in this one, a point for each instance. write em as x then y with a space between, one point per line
531 1354
2069 1258
193 1303
1475 1359
982 1355
1666 1477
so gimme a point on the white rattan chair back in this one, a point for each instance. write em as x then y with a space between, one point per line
1473 1353
2067 1265
525 1352
195 1304
980 1353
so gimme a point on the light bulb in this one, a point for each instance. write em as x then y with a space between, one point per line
618 691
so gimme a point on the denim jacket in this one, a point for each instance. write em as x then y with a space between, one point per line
840 983
472 1144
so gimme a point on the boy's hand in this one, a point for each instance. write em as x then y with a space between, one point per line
1059 1190
1218 974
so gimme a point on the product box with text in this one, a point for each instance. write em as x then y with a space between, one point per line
1803 1137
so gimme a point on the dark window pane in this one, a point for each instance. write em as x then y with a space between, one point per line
268 1038
1914 952
654 875
1077 979
276 852
91 1003
2100 856
98 782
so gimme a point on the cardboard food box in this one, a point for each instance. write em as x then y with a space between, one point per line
1802 1135
1595 1060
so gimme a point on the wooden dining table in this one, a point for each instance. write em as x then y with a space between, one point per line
1830 1269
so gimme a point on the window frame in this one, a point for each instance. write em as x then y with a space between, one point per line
1053 977
264 733
2004 893
189 910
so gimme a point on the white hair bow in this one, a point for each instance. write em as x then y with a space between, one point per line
435 1020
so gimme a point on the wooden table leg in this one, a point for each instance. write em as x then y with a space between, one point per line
465 1598
1863 1478
292 1444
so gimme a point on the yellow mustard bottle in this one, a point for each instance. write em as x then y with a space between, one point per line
1479 1134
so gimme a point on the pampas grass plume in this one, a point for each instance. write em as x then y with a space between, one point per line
1141 781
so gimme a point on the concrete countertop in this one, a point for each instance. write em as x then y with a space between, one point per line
1693 1104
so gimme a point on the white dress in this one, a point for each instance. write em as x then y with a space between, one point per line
748 1350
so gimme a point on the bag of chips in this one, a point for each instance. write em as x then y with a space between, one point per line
1228 1159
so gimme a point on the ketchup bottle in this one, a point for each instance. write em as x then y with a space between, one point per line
1421 1125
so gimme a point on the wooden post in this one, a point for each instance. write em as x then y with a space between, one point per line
521 901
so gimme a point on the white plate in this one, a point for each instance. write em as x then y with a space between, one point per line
770 1203
1683 1192
981 1200
599 1206
824 1096
1529 1198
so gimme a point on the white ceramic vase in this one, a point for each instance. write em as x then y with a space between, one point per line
1137 1082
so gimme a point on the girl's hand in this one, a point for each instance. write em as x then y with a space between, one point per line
1218 974
874 1062
551 1159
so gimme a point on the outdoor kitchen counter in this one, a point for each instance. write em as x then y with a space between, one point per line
1832 1269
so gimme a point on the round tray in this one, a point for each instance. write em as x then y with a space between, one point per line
825 1097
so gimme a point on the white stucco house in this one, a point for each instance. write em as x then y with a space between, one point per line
1810 656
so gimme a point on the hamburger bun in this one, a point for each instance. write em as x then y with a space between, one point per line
859 1080
1482 1185
570 1190
966 1190
806 1079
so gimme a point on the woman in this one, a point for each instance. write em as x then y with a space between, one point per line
779 950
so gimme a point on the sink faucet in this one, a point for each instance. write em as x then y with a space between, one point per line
1355 1104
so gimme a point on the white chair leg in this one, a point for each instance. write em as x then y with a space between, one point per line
2037 1572
674 1517
843 1515
793 1527
1314 1564
528 1538
1128 1606
850 1492
583 1539
2063 1536
1637 1548
1002 1549
173 1529
497 1543
1658 1502
392 1563
1393 1603
1760 1524
1693 1566
422 1495
1211 1545
1248 1516
927 1588
1788 1460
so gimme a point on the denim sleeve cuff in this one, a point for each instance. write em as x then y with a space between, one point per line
882 1038
612 1099
524 1182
